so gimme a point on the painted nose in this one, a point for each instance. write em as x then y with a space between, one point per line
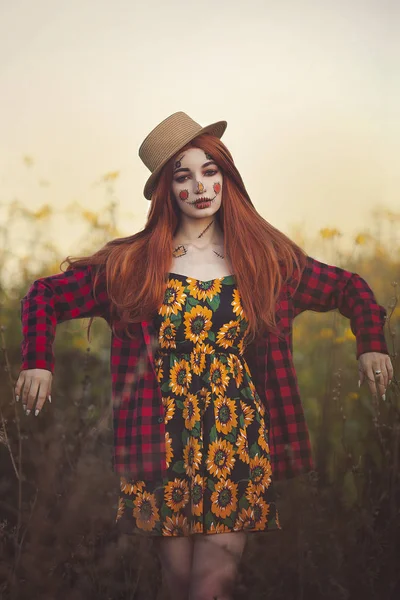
200 187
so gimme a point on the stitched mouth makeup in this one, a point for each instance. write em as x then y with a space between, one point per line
199 202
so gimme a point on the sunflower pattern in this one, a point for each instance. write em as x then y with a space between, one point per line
217 429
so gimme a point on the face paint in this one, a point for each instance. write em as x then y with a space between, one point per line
179 251
178 163
197 180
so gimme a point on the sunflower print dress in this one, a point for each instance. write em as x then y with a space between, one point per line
216 427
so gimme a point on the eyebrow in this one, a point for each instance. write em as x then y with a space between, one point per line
210 162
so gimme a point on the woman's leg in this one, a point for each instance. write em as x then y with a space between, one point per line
215 562
175 554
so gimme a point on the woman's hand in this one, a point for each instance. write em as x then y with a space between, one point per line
368 363
32 381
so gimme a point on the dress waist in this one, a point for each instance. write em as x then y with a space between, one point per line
187 347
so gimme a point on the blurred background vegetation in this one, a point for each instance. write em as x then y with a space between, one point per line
58 494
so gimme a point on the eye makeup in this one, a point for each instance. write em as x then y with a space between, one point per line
211 173
186 170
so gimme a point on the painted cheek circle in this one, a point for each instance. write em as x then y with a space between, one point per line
183 195
217 188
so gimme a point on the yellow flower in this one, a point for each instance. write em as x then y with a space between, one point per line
198 359
191 412
224 498
248 413
245 520
28 160
220 458
180 376
198 321
360 239
205 348
177 525
191 456
260 512
174 298
339 340
252 387
176 494
348 334
167 334
225 414
169 453
204 289
243 447
91 217
353 395
241 346
111 176
328 233
205 395
219 528
261 471
228 333
145 511
236 368
236 303
159 370
219 378
251 493
131 487
196 527
121 509
169 405
263 438
198 486
43 212
259 405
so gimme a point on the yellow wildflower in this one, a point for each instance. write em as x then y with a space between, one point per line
326 333
328 234
111 176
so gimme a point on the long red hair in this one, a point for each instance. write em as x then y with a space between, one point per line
136 267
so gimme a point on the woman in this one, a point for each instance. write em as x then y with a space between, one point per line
206 405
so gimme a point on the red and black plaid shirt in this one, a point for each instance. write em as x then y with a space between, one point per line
138 412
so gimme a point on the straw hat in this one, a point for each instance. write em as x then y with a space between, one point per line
167 138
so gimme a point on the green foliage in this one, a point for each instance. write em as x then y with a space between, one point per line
57 527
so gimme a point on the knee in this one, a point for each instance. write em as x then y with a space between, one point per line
218 585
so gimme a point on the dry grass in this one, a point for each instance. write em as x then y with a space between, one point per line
58 494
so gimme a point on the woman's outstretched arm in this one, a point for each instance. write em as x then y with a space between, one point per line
54 299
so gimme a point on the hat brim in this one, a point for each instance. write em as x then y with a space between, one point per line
216 129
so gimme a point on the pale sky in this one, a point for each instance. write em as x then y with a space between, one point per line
310 90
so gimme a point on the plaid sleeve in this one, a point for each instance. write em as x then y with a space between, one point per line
325 287
51 300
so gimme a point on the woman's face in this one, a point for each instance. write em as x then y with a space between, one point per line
197 183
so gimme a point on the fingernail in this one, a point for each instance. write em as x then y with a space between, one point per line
390 381
24 407
50 399
28 410
359 383
17 398
36 412
384 397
